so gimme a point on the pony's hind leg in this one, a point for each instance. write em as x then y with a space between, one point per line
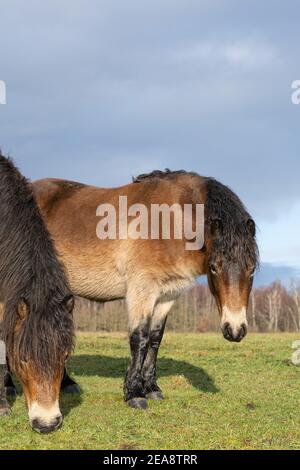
140 310
68 385
9 384
4 405
158 323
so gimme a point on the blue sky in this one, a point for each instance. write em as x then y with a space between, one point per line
100 91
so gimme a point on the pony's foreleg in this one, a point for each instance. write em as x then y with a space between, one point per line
139 312
4 405
10 388
158 324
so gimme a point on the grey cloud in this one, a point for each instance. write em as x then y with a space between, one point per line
105 90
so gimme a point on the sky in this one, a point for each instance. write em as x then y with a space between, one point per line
100 91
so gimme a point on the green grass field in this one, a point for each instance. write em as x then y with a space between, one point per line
219 395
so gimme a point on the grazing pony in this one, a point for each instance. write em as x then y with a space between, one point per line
37 325
151 273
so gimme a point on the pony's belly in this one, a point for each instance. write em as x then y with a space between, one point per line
97 285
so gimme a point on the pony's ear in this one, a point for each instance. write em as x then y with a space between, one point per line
23 309
69 302
251 227
216 228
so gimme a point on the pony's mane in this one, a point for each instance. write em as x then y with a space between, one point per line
159 174
236 242
31 272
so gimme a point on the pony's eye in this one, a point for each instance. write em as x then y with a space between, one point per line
213 269
252 271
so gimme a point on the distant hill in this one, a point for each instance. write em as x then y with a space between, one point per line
269 273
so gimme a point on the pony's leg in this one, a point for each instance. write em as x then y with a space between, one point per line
9 384
140 310
68 385
4 405
158 324
7 377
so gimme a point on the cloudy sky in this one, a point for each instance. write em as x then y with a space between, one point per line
99 91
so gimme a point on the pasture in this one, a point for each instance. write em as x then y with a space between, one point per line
219 395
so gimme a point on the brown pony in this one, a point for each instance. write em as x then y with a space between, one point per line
37 325
151 273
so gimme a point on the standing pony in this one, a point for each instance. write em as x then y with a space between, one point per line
37 325
151 273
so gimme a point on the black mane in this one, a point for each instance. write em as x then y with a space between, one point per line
159 174
236 243
30 271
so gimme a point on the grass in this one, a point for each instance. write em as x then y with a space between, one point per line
219 395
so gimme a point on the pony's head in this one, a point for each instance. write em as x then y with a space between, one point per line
232 257
39 339
37 323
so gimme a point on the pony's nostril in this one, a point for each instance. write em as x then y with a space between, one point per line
227 330
58 421
243 330
35 424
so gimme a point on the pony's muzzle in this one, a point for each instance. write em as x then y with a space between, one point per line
234 323
41 427
234 334
45 419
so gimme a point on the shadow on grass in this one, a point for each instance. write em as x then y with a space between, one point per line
69 401
105 366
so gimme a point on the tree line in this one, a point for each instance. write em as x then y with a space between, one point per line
271 309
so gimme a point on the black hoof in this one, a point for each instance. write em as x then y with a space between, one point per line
155 396
11 392
73 389
140 403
